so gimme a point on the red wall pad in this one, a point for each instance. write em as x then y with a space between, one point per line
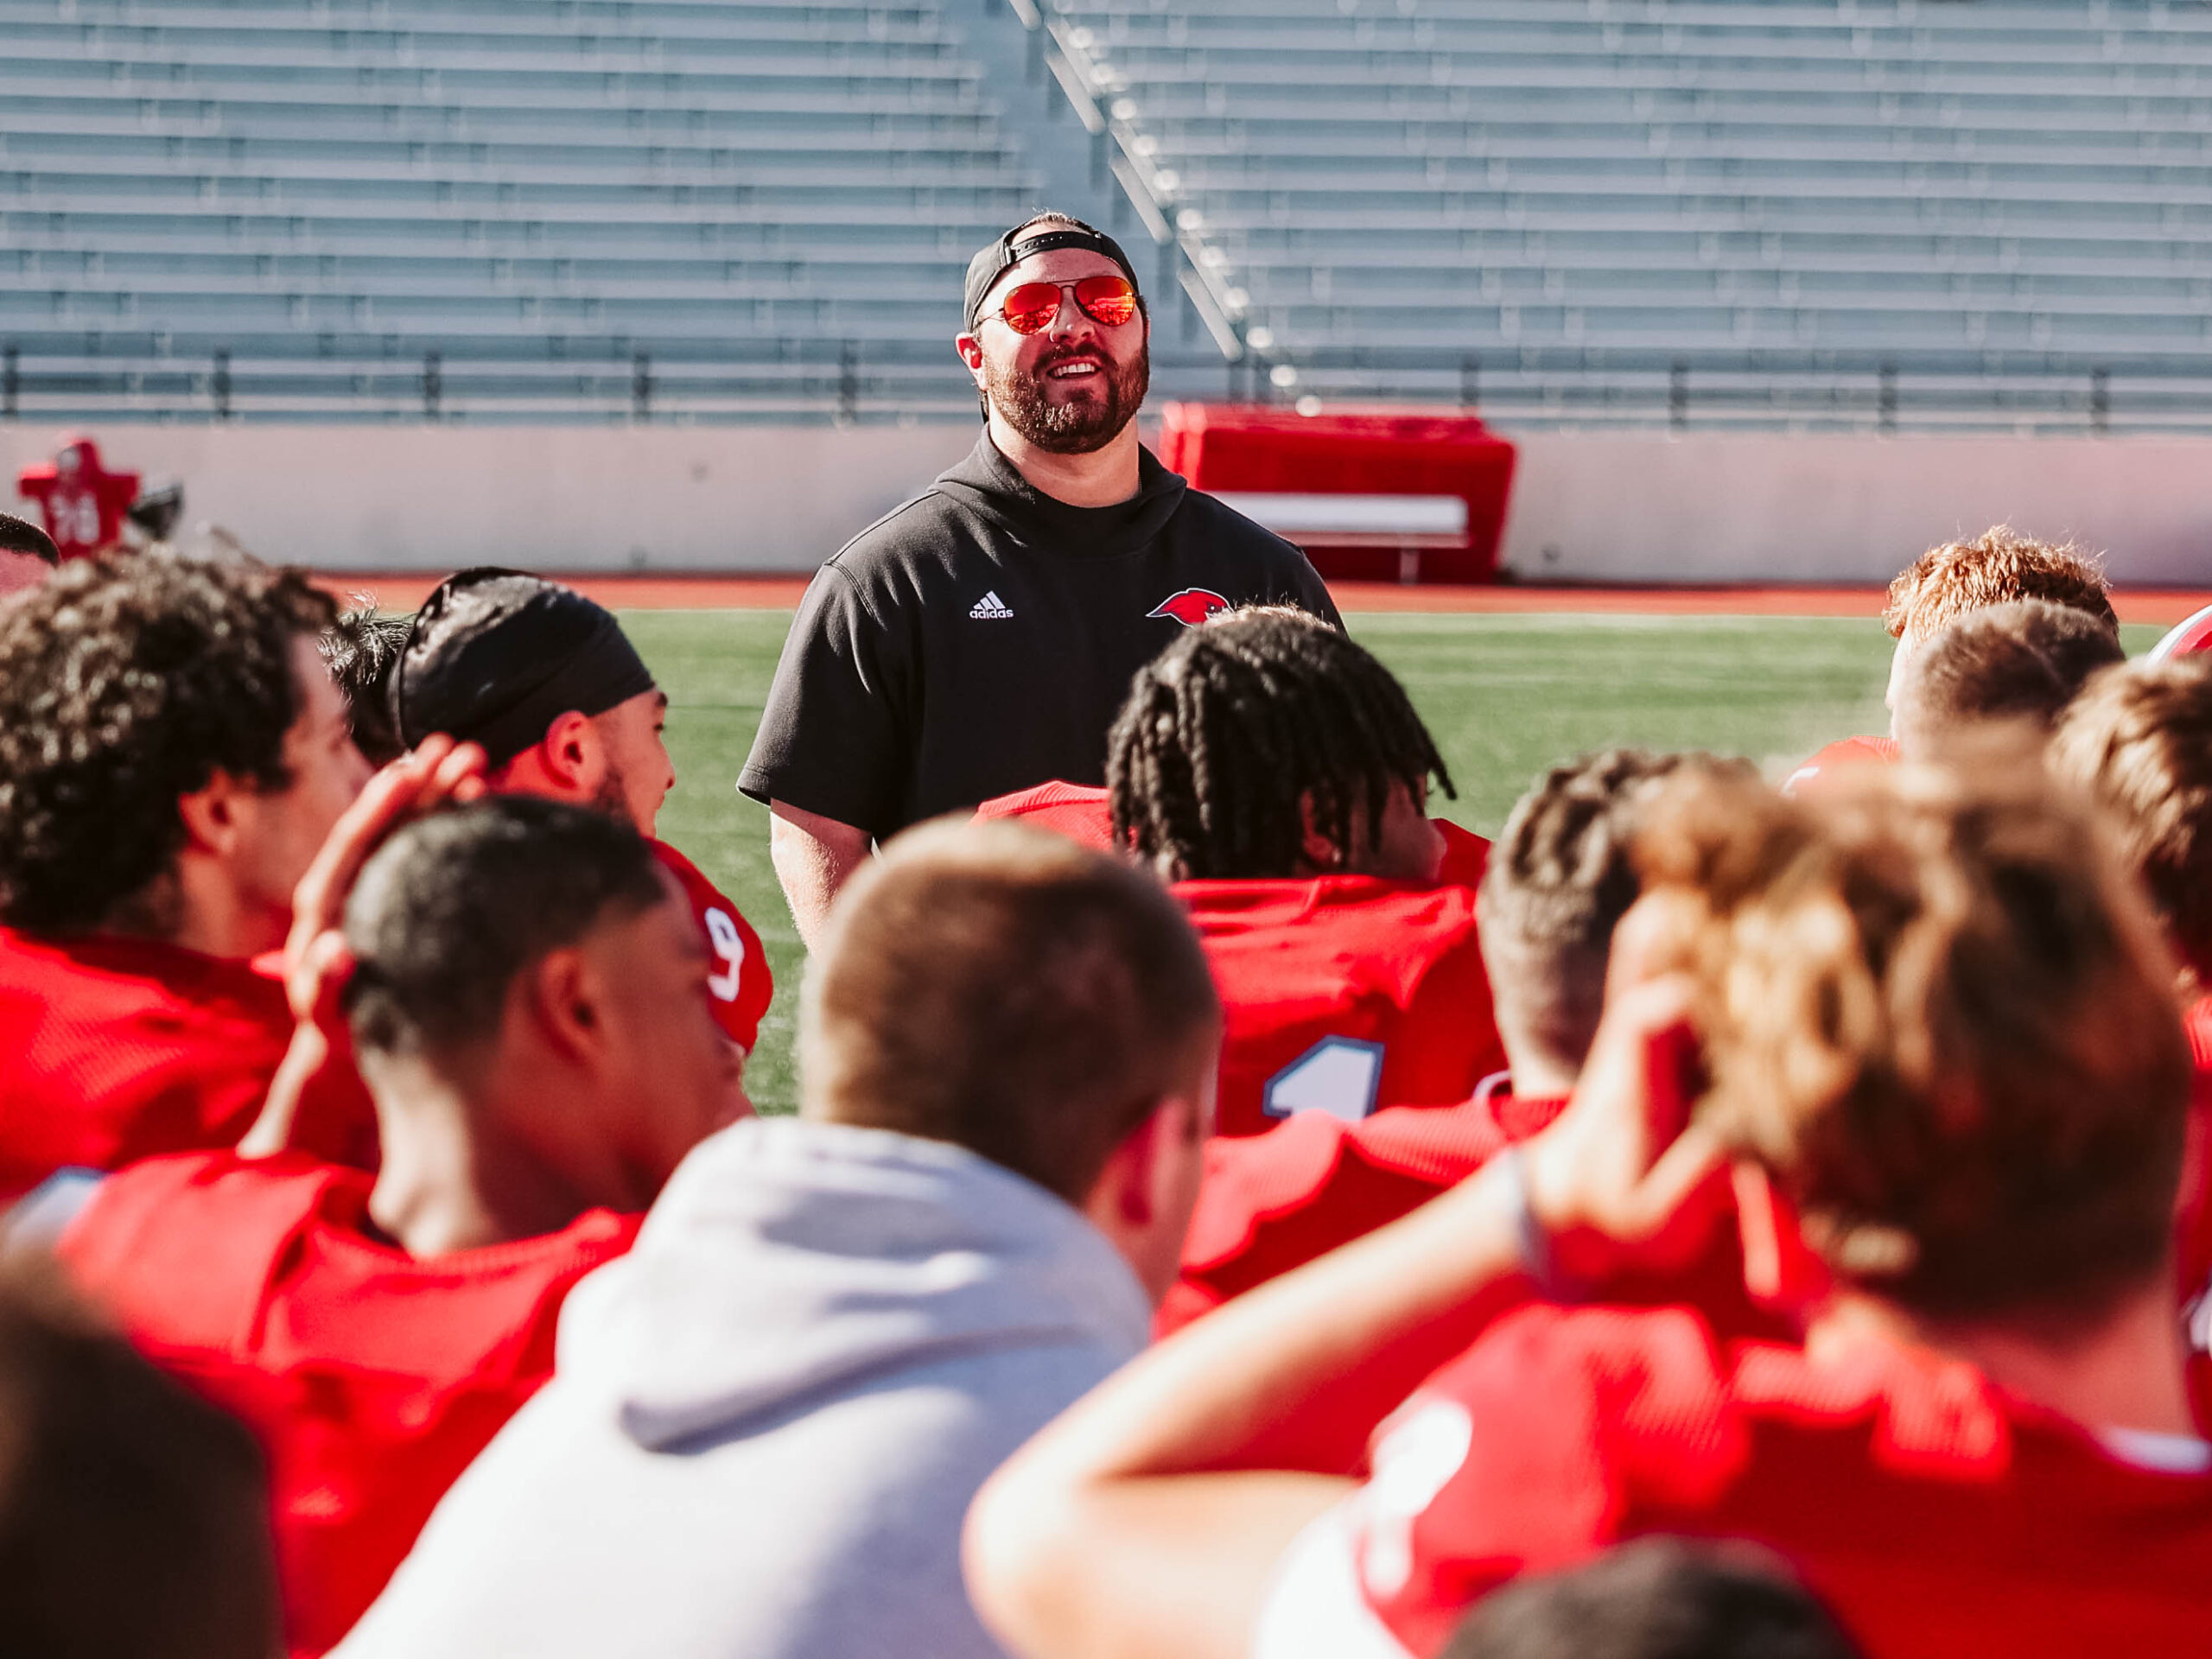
1232 448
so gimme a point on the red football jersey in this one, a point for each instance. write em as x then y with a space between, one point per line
82 502
1080 811
2194 1251
1938 1515
1346 994
741 985
1841 755
1272 1202
372 1378
114 1049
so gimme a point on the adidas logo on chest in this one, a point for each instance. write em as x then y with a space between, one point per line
989 608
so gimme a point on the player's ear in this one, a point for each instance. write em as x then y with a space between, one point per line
560 997
213 815
1316 848
573 751
971 354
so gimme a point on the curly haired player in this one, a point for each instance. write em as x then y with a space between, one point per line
172 754
1931 1018
2139 742
1278 775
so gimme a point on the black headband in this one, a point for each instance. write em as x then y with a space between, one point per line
497 655
1010 250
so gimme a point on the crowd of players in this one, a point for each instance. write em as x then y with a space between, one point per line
1712 1219
1229 1211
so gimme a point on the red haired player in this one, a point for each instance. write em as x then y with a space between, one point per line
1946 582
1278 775
1933 1015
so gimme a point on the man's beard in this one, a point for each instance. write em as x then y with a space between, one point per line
1077 427
613 798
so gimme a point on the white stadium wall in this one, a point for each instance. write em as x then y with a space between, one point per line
1772 507
1589 508
555 498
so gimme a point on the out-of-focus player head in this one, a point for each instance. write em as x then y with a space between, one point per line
1560 876
528 965
1939 1013
2139 741
133 1515
1655 1599
546 681
360 648
172 751
27 554
2020 661
1995 568
1050 1008
1267 745
1056 336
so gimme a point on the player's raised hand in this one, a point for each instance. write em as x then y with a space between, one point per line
436 772
317 963
1624 1178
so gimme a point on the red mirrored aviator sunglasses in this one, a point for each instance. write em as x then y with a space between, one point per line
1032 307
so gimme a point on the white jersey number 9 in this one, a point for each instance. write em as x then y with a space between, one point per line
729 948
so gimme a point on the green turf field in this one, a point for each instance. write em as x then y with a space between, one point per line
1506 695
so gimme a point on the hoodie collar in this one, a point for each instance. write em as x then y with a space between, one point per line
790 1261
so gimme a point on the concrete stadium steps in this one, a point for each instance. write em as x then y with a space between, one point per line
291 211
1908 185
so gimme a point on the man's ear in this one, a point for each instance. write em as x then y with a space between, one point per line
213 815
971 354
570 759
1316 848
562 999
1137 1184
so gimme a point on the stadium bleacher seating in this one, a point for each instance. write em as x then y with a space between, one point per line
721 206
1982 213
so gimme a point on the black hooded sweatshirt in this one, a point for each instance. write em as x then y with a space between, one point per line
981 637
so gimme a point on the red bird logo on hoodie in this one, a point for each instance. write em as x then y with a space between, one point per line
1192 606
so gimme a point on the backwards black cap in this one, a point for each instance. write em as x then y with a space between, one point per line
1039 235
497 655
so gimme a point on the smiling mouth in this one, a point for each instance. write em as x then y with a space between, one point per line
1082 368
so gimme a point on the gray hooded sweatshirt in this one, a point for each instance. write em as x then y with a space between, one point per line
767 1421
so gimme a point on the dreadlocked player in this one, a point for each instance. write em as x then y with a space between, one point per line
1278 775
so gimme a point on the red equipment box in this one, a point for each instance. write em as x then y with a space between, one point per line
1390 457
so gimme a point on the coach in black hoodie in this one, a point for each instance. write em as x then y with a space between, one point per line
980 639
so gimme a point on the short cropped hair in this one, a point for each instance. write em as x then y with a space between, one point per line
1655 1599
1937 1008
1007 991
21 536
1995 567
1560 874
2024 660
133 1515
126 682
2139 741
1227 733
449 911
360 649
